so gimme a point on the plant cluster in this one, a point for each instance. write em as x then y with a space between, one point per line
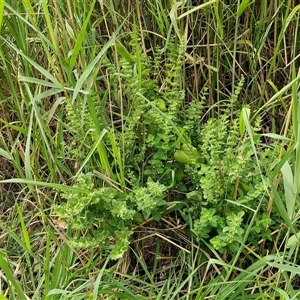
166 149
146 123
226 185
108 214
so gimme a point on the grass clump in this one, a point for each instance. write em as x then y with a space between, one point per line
149 150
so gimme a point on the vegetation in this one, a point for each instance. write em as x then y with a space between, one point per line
149 149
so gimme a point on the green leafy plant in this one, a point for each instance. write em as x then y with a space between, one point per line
227 183
126 90
160 141
107 214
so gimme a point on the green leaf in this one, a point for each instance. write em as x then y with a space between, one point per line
43 71
79 39
277 137
182 157
294 239
138 217
194 195
156 215
123 51
187 154
1 13
11 278
37 81
242 7
179 175
24 230
5 154
161 104
49 26
91 67
28 7
242 125
47 184
285 158
289 188
279 207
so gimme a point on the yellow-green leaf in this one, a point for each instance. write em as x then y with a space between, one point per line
242 7
161 104
187 154
123 51
1 13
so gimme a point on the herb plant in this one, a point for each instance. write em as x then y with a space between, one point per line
164 149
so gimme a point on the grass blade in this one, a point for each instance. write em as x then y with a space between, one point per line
279 206
24 230
79 39
242 7
1 14
45 184
92 65
36 66
11 278
201 6
5 154
49 25
289 188
104 131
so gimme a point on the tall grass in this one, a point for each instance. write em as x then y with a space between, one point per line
54 59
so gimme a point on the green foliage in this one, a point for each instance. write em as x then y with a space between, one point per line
107 214
231 234
227 184
82 89
187 155
149 199
162 144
